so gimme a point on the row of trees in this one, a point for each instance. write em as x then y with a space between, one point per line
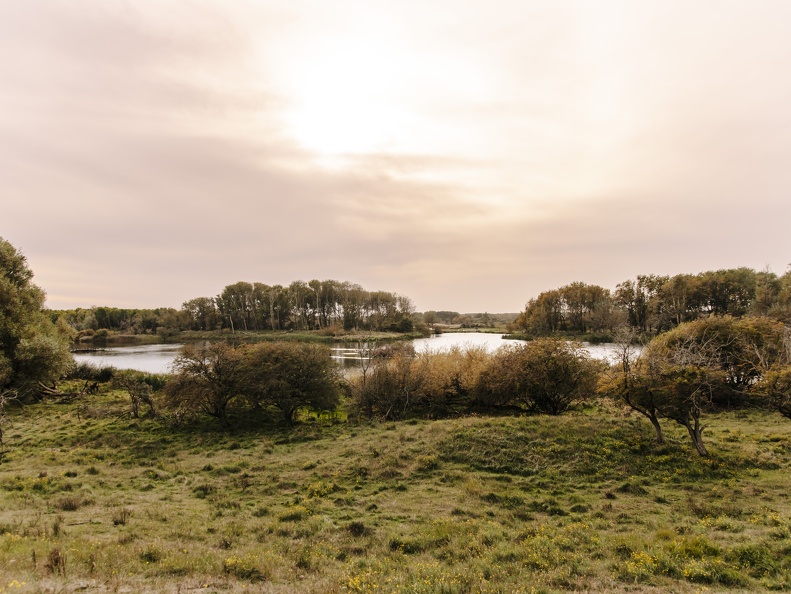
255 306
100 321
653 304
303 306
437 319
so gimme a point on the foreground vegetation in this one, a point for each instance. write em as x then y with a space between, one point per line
94 500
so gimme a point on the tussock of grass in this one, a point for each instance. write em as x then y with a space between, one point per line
584 502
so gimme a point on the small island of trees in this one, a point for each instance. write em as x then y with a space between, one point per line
329 306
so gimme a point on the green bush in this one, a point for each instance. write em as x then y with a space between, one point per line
91 372
545 375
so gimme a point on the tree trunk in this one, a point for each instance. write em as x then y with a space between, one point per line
272 310
695 432
660 438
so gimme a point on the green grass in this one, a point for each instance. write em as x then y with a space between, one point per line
93 500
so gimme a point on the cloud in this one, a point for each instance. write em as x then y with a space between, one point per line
149 155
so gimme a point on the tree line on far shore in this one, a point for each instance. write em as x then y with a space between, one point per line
244 306
652 304
649 304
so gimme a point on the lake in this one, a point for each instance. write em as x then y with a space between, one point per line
492 342
151 358
157 358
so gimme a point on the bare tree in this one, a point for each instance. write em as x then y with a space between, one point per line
366 350
139 389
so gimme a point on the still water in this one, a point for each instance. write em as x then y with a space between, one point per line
151 358
492 342
157 358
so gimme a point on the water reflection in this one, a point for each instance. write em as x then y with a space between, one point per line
349 355
462 340
151 358
158 358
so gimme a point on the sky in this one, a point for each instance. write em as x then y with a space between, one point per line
468 154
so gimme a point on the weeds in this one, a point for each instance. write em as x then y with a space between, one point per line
56 562
71 503
121 516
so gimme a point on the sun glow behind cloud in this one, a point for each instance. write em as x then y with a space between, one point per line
344 101
376 83
544 125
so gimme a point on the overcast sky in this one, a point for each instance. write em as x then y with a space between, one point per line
469 154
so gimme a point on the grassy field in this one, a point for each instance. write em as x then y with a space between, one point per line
94 501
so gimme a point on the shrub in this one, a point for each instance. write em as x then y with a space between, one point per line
390 389
248 567
70 503
640 567
296 513
546 375
207 379
121 516
284 375
712 571
448 380
357 528
203 490
90 372
428 384
290 376
758 559
151 554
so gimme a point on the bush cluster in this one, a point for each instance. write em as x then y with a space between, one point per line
284 376
90 372
546 375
